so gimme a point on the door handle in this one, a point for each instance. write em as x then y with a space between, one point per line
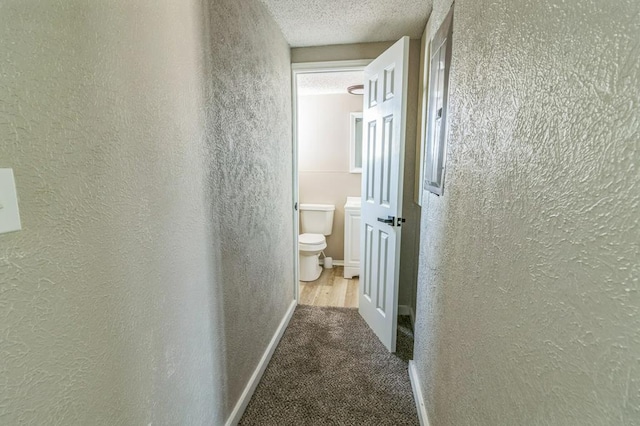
390 220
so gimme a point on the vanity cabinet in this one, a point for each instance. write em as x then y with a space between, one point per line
352 237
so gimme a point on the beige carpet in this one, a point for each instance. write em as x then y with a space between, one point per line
330 369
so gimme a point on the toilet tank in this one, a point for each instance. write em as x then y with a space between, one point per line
316 218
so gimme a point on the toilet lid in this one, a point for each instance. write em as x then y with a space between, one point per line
311 238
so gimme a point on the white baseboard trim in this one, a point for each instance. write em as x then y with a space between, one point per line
417 395
335 262
351 271
242 403
407 310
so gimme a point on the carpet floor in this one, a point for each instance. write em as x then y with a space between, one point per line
330 369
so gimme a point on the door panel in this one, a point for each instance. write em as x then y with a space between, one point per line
368 256
389 80
383 257
369 176
373 91
384 111
386 161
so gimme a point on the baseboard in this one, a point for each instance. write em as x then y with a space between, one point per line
242 403
351 271
335 262
417 395
407 310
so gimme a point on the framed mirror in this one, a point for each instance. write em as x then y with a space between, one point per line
355 143
423 101
436 142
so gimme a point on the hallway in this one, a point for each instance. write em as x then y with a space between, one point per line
148 214
330 368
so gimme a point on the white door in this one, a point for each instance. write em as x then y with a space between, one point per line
384 119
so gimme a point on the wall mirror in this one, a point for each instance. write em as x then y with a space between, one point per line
423 100
355 144
436 143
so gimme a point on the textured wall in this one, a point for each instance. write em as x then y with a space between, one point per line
122 300
528 304
249 113
324 129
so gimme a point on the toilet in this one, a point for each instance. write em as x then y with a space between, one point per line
316 222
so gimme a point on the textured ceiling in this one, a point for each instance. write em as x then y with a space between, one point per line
325 22
328 82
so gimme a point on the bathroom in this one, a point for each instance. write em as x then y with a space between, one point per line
329 135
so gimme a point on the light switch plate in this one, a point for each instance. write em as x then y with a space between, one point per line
9 213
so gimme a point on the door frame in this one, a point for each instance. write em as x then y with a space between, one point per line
298 68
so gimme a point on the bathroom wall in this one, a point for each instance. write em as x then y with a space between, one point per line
528 302
323 158
129 297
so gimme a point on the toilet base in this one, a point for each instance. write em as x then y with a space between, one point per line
310 268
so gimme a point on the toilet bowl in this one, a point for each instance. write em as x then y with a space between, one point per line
309 248
316 222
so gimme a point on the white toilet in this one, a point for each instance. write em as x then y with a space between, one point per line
316 221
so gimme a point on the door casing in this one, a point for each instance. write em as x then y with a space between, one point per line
297 69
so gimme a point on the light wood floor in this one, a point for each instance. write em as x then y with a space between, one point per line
331 289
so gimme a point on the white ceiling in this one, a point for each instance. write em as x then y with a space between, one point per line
325 22
328 82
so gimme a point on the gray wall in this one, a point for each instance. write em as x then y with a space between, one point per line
409 247
152 163
528 303
249 114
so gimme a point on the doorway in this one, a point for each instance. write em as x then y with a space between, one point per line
387 209
327 175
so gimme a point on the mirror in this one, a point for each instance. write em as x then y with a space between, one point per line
355 143
436 143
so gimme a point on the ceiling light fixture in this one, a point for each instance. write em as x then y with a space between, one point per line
358 89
